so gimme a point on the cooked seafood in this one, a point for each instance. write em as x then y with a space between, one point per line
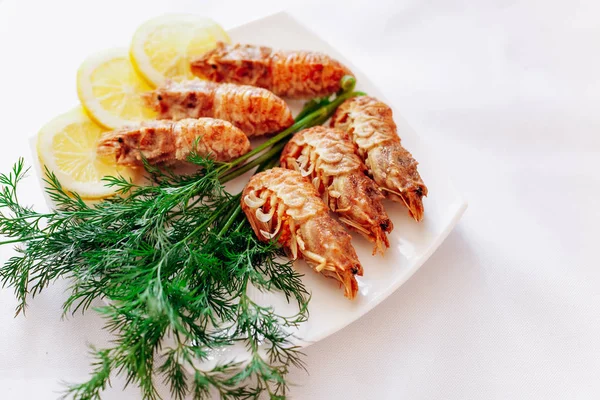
254 110
326 156
280 203
168 141
371 125
295 74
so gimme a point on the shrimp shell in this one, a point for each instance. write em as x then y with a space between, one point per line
305 228
338 174
294 74
167 141
255 111
371 125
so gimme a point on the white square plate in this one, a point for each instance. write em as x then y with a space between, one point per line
411 243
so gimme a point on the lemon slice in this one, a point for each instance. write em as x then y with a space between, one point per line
67 147
163 47
110 90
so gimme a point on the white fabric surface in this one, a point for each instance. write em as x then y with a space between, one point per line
506 92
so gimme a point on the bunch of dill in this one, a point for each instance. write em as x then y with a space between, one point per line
175 261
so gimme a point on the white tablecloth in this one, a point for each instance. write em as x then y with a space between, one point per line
507 94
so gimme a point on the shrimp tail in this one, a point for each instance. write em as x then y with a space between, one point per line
414 202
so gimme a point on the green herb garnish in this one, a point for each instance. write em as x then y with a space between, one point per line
175 260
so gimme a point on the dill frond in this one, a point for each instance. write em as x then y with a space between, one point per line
175 261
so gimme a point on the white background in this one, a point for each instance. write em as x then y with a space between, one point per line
507 95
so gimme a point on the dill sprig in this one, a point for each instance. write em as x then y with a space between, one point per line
175 262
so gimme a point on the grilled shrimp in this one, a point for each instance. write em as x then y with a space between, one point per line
255 111
326 156
168 141
370 124
295 74
280 203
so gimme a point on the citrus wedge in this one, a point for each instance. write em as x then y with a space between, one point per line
163 47
67 147
110 90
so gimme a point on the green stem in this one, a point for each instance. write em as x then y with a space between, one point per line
240 225
232 217
312 106
203 226
301 124
273 151
26 239
347 84
274 162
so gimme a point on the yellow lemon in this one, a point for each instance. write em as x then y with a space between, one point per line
67 147
163 47
111 91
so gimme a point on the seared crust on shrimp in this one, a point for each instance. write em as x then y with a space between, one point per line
295 74
371 125
280 203
327 158
166 142
254 110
